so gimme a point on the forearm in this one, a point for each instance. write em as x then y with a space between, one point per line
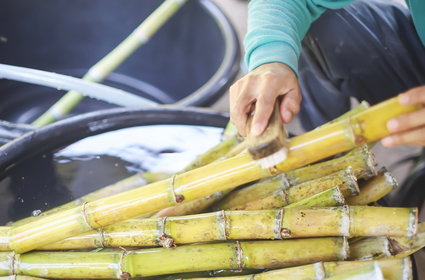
277 27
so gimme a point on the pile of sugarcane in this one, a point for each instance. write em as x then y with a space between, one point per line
314 216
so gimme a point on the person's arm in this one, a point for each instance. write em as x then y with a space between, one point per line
408 129
272 49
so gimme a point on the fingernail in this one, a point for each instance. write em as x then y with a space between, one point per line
387 141
404 99
287 116
256 129
392 125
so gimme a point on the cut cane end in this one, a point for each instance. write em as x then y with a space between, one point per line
273 159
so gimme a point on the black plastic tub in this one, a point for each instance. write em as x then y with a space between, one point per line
37 173
191 60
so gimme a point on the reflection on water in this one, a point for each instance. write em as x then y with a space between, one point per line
51 180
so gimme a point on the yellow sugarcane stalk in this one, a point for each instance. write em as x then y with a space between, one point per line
275 193
394 269
407 246
161 261
367 126
370 248
374 189
360 160
248 225
370 272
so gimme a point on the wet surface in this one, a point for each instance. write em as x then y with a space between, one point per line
50 180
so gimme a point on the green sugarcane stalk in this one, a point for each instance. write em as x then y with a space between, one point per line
97 73
275 192
161 261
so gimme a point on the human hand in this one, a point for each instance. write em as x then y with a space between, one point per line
408 129
261 88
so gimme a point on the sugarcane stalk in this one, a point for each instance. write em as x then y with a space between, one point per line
406 246
374 189
242 225
370 271
370 248
161 261
360 160
315 145
97 73
275 192
152 232
20 277
393 269
4 238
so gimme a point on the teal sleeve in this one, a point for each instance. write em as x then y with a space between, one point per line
276 28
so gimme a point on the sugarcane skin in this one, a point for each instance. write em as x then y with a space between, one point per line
160 261
369 125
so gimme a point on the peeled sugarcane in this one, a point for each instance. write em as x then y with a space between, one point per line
374 189
159 232
392 269
274 193
243 225
114 59
367 126
161 261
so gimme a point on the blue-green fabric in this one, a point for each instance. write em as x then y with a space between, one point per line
277 27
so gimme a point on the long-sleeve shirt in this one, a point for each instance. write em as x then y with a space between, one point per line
277 27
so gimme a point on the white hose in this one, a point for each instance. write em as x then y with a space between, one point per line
64 82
